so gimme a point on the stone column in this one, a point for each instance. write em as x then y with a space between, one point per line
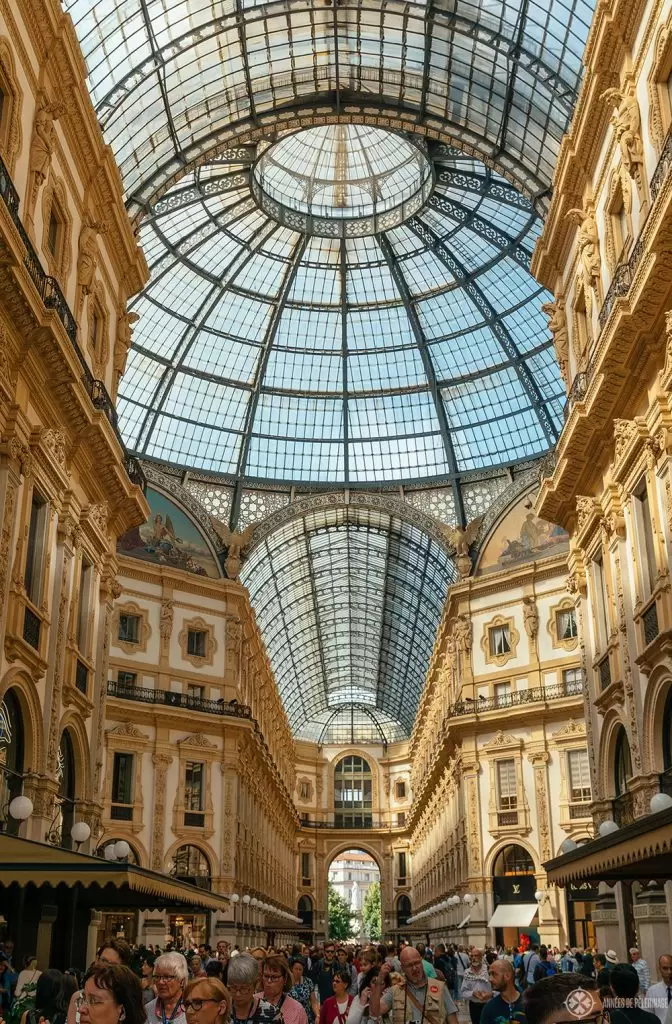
607 923
95 922
16 460
44 928
653 929
154 931
161 764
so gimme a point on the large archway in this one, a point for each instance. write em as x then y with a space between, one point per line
354 904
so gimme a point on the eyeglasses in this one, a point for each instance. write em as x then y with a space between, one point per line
108 963
272 977
90 1000
196 1005
158 978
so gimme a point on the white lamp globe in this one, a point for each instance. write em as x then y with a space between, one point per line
539 895
80 832
660 802
567 845
109 853
607 828
234 897
21 808
254 901
121 849
468 898
246 898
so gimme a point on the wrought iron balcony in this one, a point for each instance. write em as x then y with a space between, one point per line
170 698
534 695
363 823
53 298
577 392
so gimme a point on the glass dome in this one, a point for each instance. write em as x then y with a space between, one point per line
267 353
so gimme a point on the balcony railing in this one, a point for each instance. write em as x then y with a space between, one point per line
362 823
170 698
53 298
579 810
624 809
505 818
577 392
650 623
31 628
534 695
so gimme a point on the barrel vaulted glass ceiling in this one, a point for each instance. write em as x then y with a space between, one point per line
338 202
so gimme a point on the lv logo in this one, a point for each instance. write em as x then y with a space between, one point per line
516 890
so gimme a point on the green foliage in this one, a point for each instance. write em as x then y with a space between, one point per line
339 915
371 913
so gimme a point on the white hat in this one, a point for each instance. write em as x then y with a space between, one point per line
611 957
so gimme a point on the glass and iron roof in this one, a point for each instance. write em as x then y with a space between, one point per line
348 600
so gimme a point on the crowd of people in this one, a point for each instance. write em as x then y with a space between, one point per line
336 984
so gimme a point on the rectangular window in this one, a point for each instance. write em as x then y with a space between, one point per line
193 789
600 587
53 232
305 869
565 623
400 790
196 643
579 776
401 819
128 679
129 628
122 779
507 792
572 681
401 867
195 692
36 546
304 790
85 576
500 640
647 549
502 694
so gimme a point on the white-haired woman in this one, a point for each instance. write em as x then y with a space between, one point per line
171 975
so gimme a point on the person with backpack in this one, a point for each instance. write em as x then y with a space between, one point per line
568 962
529 965
546 967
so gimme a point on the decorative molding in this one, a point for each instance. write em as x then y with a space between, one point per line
144 628
573 728
197 739
127 729
565 605
514 637
198 625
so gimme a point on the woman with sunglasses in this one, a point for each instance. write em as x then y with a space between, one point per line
336 1008
277 980
207 1001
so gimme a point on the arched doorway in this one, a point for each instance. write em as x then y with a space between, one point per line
353 793
12 753
403 912
305 911
190 865
354 903
515 908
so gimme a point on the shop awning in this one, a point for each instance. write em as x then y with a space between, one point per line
465 921
641 850
513 915
102 883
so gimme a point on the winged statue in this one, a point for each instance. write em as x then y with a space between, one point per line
461 541
236 543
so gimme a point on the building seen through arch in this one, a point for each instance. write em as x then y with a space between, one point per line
335 473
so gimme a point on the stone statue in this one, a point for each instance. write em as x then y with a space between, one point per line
627 124
123 343
462 540
462 631
557 325
166 619
44 137
589 249
87 260
531 617
236 546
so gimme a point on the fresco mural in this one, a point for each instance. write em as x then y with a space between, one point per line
170 538
521 537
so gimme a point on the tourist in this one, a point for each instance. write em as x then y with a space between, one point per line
147 977
344 964
335 1009
445 965
546 967
324 972
196 967
206 1001
568 962
47 991
243 977
529 964
28 975
642 969
476 986
359 1008
624 981
462 961
7 985
659 996
507 1004
416 999
427 967
367 960
171 975
303 989
563 999
111 994
276 982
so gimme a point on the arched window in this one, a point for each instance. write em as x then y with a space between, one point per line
191 865
11 758
622 763
403 911
667 732
353 793
513 860
305 912
65 773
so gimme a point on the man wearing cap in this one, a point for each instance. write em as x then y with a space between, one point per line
642 968
419 1000
659 996
603 964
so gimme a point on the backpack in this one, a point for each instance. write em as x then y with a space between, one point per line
545 969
